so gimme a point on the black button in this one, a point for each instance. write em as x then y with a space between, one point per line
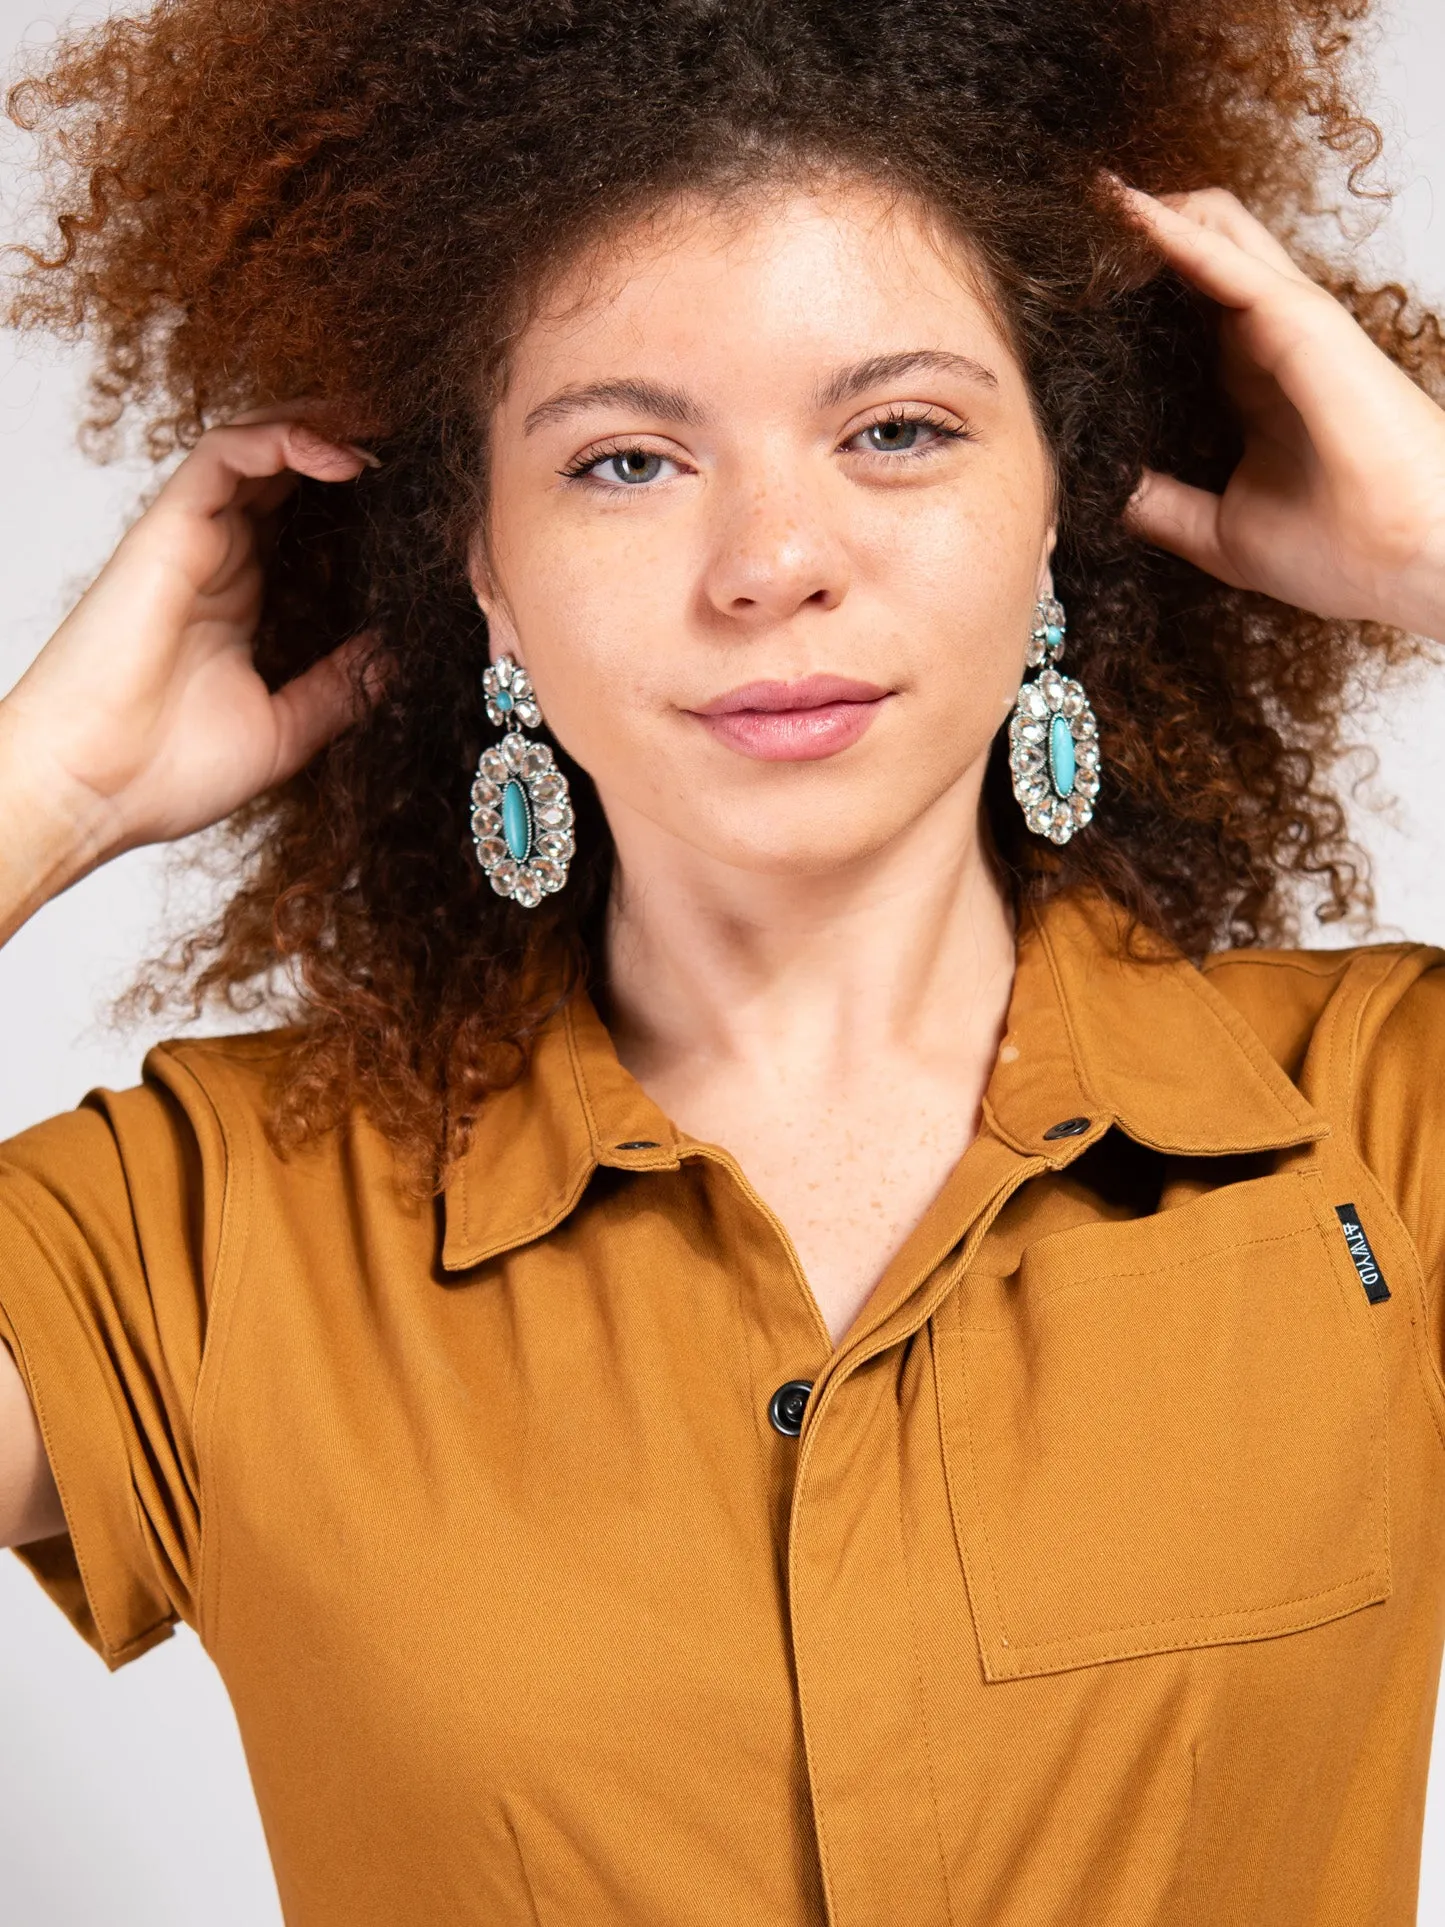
1071 1127
787 1406
638 1144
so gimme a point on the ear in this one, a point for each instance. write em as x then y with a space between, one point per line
1046 574
501 629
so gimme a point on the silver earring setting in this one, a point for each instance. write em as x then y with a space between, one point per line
1053 738
522 820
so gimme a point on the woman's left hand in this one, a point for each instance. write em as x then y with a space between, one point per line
1338 505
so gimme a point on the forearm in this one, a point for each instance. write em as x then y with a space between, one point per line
1415 599
53 835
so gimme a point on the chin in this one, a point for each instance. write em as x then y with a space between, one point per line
812 843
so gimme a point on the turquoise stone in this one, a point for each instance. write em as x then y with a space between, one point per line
1054 636
517 821
503 700
1061 759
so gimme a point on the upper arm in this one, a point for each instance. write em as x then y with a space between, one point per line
29 1498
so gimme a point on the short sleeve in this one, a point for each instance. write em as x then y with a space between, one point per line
1400 1126
109 1219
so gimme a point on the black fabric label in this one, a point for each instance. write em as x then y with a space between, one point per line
1371 1277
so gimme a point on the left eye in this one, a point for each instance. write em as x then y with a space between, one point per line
631 465
891 435
902 435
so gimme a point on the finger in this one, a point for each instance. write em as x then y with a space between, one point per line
325 699
225 459
1215 261
1216 209
300 409
1184 520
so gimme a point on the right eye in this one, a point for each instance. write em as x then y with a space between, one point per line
619 467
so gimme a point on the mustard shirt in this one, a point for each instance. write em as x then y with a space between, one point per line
1098 1580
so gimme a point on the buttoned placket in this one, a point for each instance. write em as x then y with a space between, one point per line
850 1612
837 1490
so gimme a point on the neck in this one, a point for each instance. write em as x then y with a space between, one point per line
907 953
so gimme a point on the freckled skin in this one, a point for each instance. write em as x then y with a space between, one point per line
809 962
773 556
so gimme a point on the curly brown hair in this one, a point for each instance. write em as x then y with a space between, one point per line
259 199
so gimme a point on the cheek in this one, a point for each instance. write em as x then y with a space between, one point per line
601 610
959 578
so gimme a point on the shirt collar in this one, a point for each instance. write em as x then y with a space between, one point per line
537 1143
1133 1035
1138 1039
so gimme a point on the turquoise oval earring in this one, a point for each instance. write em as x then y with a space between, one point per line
522 820
1053 737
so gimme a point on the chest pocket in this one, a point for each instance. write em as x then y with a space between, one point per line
1166 1433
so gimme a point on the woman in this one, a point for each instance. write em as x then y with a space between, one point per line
783 1334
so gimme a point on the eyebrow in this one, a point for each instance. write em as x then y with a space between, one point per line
676 405
845 383
628 391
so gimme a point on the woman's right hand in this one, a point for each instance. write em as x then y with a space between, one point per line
144 717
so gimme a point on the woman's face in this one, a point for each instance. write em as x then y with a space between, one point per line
770 512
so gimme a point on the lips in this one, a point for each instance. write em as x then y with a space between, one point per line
793 722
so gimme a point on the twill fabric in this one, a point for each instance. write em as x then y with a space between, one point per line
1103 1582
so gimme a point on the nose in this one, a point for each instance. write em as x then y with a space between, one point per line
775 552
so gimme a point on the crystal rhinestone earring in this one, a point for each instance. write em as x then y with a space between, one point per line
521 810
1053 737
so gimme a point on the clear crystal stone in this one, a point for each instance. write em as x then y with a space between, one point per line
1086 783
554 816
1088 755
557 845
491 850
1087 725
529 715
485 795
1073 699
521 682
548 787
485 823
503 672
1032 701
549 874
537 763
1032 732
527 890
493 766
504 877
513 750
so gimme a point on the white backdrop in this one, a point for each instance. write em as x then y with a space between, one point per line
124 1800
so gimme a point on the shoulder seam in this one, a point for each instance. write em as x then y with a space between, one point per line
1309 963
